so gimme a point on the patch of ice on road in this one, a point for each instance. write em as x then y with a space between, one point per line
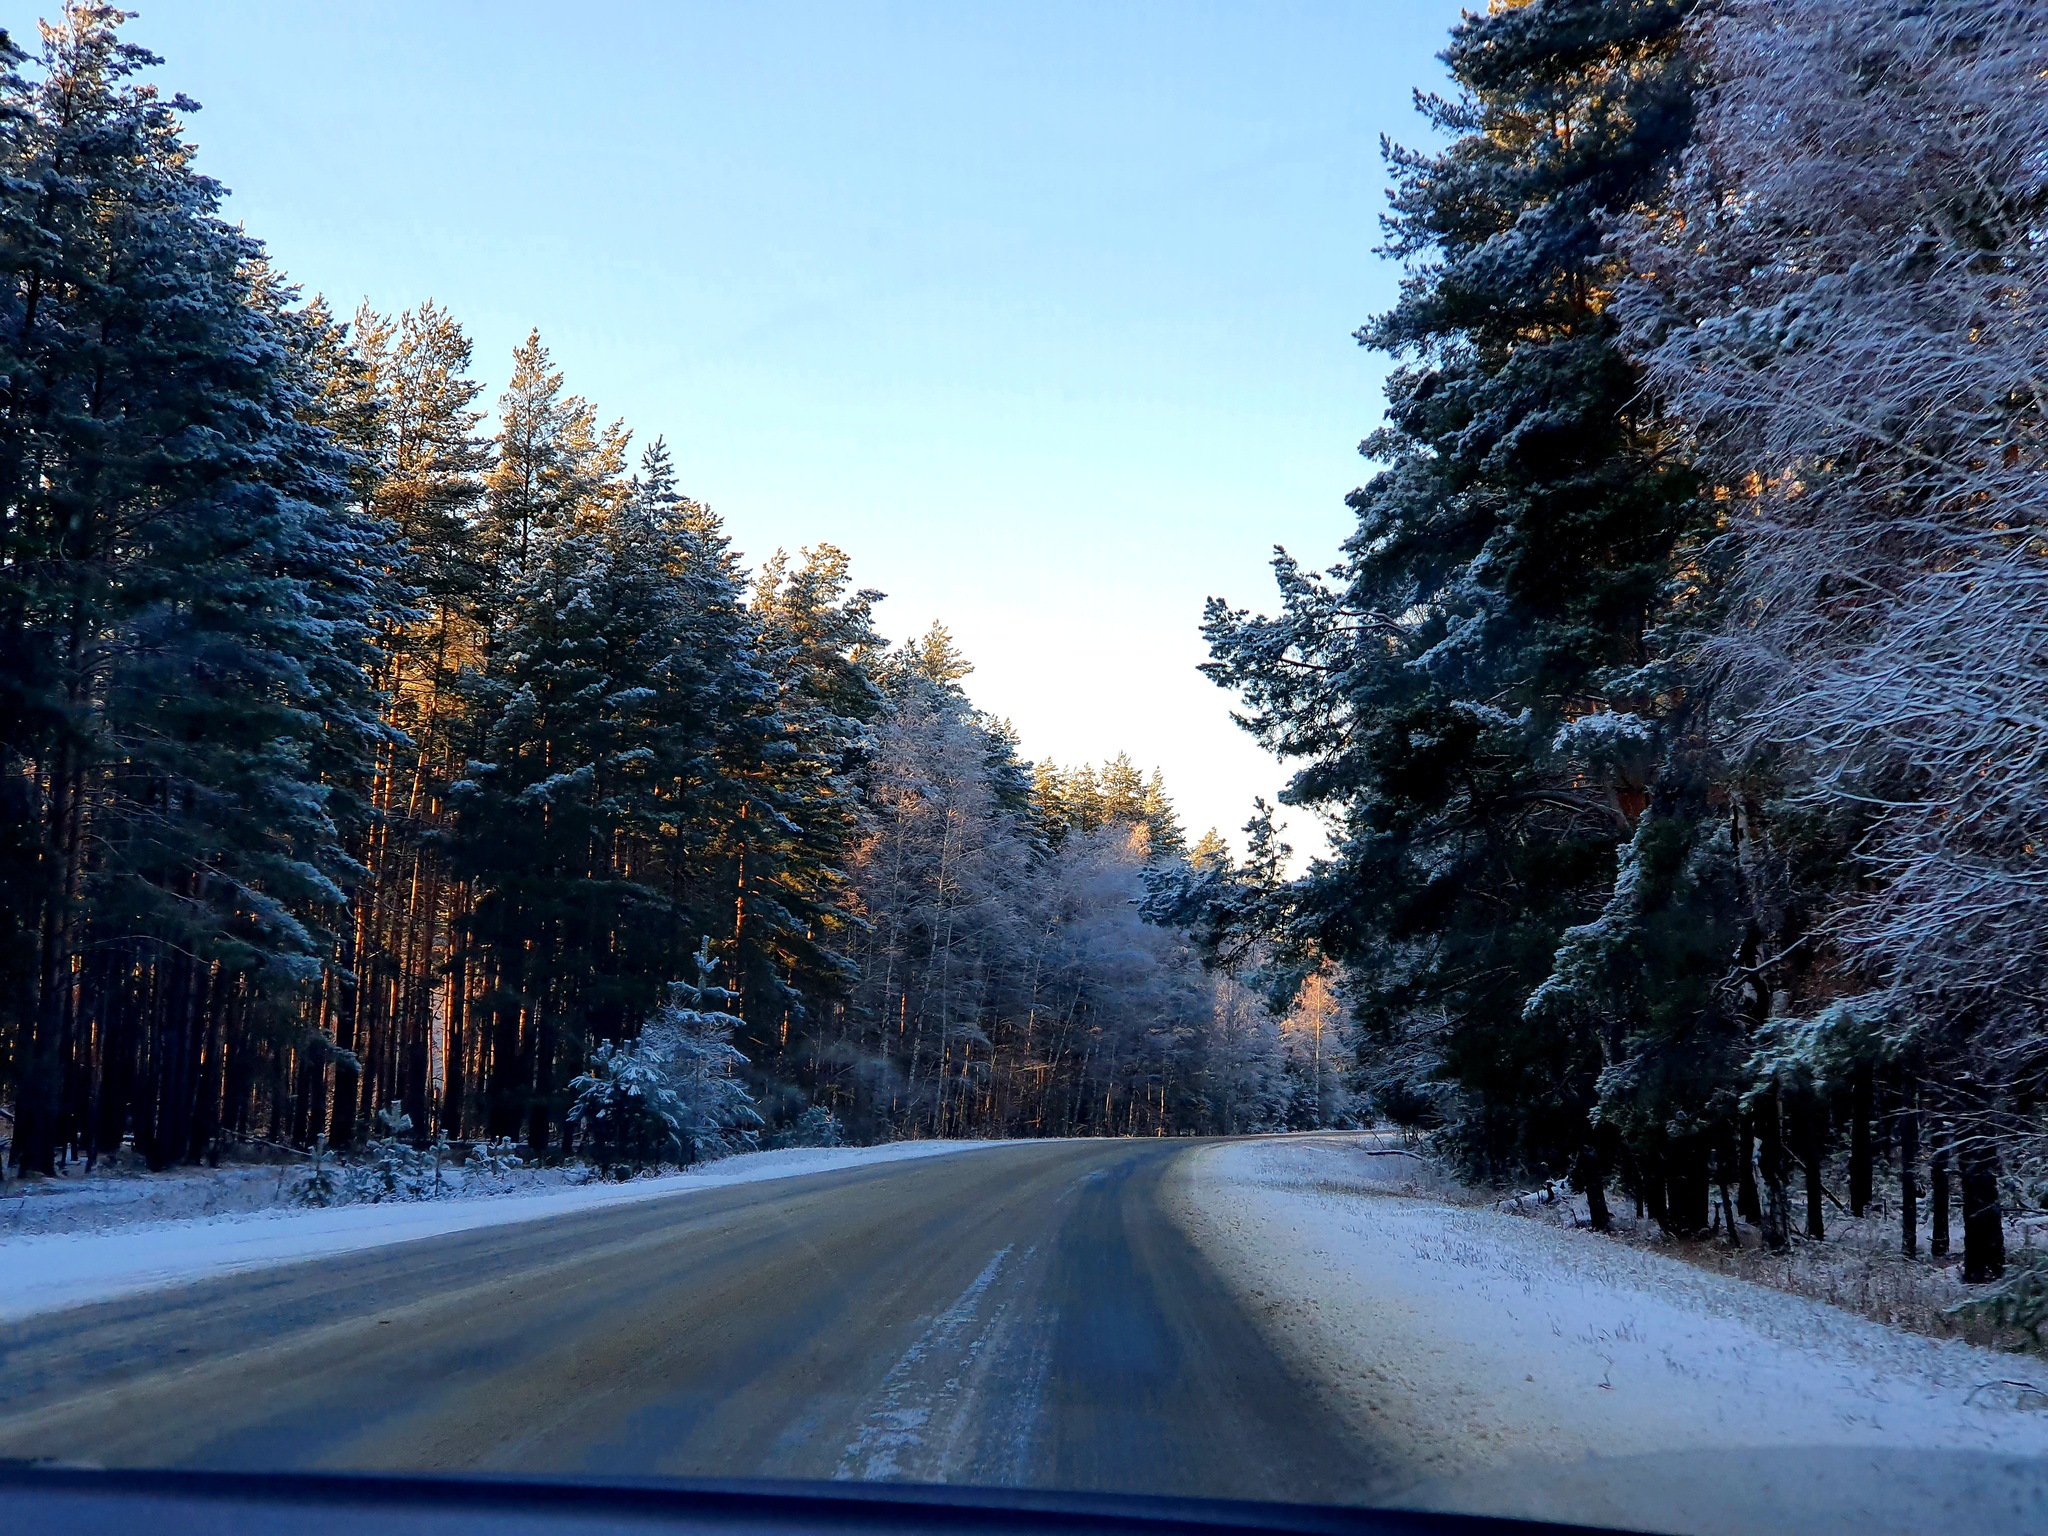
929 1376
1462 1342
47 1272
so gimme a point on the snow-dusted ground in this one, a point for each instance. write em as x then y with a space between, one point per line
77 1201
1514 1367
45 1271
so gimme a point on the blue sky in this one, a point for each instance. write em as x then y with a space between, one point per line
1042 312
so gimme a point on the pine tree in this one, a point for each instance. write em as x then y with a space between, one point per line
425 464
583 621
1509 562
1320 1046
938 658
792 795
188 614
673 1091
554 464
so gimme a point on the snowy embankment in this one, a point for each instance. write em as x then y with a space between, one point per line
48 1271
1514 1367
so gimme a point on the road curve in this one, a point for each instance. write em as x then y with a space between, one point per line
1025 1316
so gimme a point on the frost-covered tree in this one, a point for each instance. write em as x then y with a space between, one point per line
1846 303
187 606
939 874
1319 1043
1244 1063
675 1091
1006 977
1510 559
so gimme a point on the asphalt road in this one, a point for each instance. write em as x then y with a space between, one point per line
1018 1316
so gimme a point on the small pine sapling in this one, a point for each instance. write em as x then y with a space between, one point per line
817 1126
674 1091
395 1169
494 1159
626 1105
317 1184
692 1034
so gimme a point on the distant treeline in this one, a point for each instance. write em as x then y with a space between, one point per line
359 768
1681 699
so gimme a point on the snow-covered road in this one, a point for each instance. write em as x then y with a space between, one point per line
1491 1356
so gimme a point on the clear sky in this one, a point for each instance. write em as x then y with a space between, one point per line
1041 311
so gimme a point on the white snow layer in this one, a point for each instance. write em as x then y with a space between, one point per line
46 1272
1506 1366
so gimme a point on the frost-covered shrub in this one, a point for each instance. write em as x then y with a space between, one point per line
395 1169
492 1160
392 1168
817 1126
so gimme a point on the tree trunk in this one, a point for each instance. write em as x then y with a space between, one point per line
539 1082
348 1078
1747 1201
1653 1168
1862 1097
1909 1173
1983 1220
1813 1149
39 1083
1688 1201
1591 1179
1937 1215
1777 1201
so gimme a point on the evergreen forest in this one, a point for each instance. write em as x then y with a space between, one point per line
386 759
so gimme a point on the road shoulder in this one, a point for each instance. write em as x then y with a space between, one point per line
1507 1366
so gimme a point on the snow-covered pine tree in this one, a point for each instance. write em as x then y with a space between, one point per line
1508 561
675 1090
625 1108
580 620
426 464
555 465
792 797
185 622
692 1035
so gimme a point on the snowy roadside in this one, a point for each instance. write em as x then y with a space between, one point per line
49 1271
1514 1367
77 1201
